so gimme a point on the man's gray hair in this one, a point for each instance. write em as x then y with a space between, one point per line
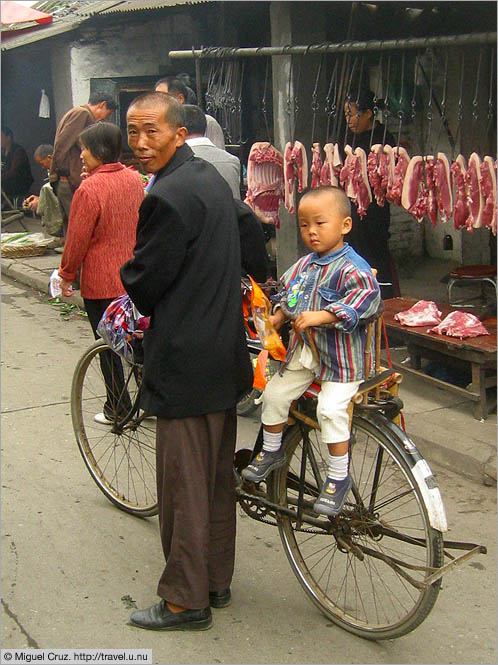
174 114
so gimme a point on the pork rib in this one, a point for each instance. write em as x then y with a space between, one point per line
265 181
474 196
390 165
460 324
376 172
402 161
443 187
289 178
431 189
332 165
461 207
488 190
414 196
316 165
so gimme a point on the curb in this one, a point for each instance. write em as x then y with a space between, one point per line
37 279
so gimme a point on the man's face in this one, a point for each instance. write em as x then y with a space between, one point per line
44 162
152 139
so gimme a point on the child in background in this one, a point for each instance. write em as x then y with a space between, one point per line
332 291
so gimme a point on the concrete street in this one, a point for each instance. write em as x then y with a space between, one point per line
74 566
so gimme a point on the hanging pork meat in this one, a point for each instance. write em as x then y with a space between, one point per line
402 161
376 171
414 195
265 181
474 195
390 164
461 207
442 178
488 190
354 179
316 165
332 165
295 167
431 189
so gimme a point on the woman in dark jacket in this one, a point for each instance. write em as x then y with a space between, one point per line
370 235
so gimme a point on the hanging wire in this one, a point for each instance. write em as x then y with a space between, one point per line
443 101
460 105
413 103
314 98
296 96
491 88
475 103
400 101
430 115
386 99
239 103
376 99
347 100
288 108
331 104
263 101
357 101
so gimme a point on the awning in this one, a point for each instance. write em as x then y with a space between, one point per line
14 12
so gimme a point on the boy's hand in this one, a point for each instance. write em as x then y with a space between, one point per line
310 319
278 319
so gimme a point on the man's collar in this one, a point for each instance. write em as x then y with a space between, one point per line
328 258
182 155
199 140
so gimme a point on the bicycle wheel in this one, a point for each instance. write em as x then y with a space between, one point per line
354 567
121 457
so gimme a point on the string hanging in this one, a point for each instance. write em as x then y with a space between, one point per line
296 97
357 102
475 102
263 102
376 99
347 101
331 104
491 88
443 102
314 97
386 98
460 105
429 103
288 108
400 102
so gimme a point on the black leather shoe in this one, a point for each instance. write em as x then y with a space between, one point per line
221 598
160 617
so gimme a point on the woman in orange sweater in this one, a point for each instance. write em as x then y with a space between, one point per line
101 237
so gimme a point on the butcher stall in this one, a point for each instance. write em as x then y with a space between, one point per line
437 97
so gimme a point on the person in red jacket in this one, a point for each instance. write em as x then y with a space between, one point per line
101 236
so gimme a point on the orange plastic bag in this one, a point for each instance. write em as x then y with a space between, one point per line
269 337
260 371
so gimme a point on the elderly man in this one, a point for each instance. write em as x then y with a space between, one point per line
178 88
65 169
185 273
226 164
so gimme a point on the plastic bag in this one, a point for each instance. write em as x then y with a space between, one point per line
44 108
121 327
269 337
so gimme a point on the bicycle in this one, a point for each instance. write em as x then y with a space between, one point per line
375 570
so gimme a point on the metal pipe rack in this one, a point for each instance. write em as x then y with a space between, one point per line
342 47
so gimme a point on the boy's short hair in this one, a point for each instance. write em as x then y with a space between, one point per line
340 197
43 151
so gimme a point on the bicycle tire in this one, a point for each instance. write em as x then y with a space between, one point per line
365 597
120 458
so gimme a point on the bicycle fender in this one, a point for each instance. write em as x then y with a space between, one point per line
422 473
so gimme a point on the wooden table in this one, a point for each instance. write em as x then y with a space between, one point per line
479 352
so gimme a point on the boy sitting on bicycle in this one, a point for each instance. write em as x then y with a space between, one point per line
330 292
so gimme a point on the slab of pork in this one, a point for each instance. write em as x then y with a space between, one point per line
422 313
474 195
461 216
316 165
488 190
332 165
402 161
376 173
442 180
414 196
460 324
265 181
289 177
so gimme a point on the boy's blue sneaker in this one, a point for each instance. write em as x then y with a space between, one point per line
332 498
263 464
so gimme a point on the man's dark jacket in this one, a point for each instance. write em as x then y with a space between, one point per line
186 274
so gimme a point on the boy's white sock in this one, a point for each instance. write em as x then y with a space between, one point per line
271 441
338 466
